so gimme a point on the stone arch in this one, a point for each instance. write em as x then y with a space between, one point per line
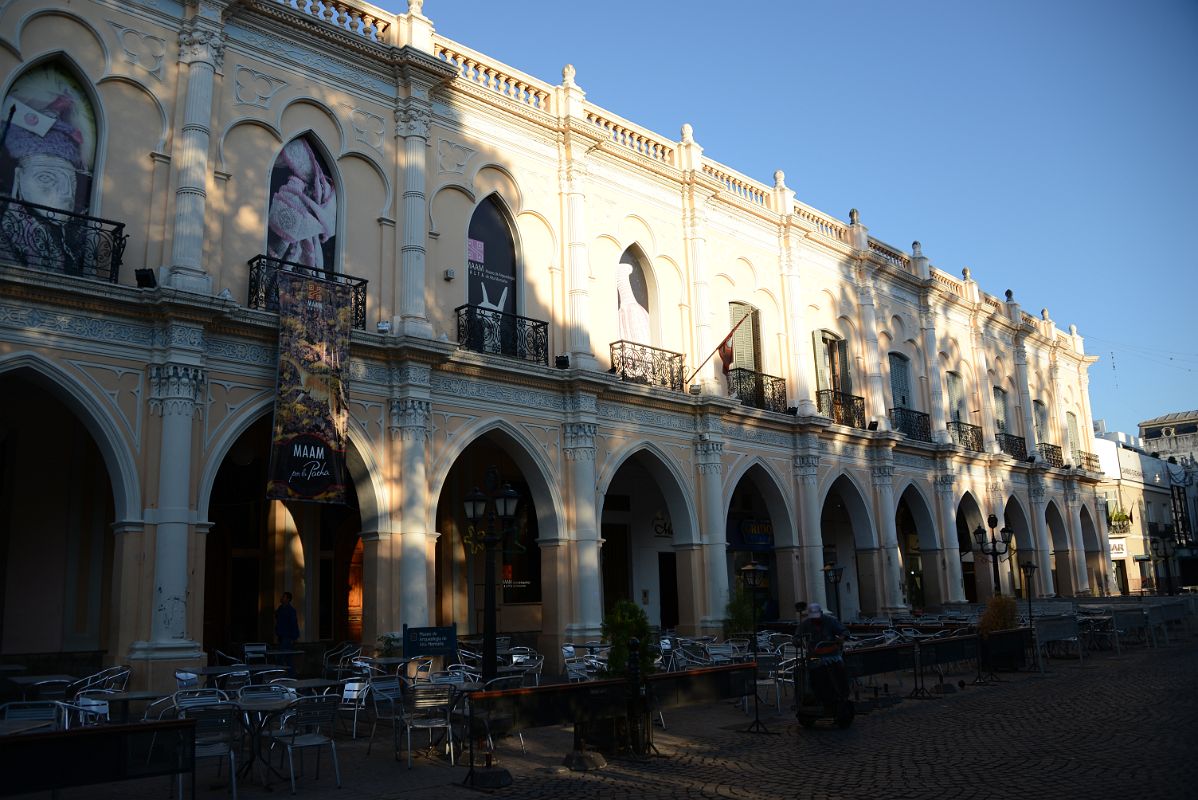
164 131
118 459
1060 557
675 488
293 107
974 574
919 549
491 178
855 548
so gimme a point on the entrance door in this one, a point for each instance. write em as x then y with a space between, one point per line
667 583
614 558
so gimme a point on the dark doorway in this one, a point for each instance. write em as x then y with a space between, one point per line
667 580
614 560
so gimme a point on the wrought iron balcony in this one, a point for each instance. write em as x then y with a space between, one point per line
485 330
1012 445
758 389
843 409
1087 461
264 285
44 238
640 363
966 435
912 424
1050 454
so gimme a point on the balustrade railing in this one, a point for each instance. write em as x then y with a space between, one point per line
832 228
44 238
640 363
502 80
627 135
758 389
358 21
1087 461
1051 454
843 409
743 187
912 424
895 258
1012 445
264 285
966 435
485 330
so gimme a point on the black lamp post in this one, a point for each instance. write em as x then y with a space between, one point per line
502 506
994 548
1029 572
753 576
833 574
1163 548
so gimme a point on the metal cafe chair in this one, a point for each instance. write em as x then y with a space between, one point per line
48 712
427 706
217 735
309 724
255 652
386 696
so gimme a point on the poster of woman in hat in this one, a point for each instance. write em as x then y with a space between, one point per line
303 208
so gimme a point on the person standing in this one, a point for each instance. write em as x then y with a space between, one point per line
286 627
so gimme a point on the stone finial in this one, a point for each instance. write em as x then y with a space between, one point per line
779 179
568 73
1010 296
916 249
688 133
416 7
854 216
1044 314
967 274
1073 330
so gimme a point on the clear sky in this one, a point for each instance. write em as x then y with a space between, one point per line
1051 146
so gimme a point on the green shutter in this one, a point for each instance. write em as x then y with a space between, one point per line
956 396
842 367
900 381
820 350
1000 410
746 342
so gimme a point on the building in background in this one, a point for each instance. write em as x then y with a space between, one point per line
1174 437
535 286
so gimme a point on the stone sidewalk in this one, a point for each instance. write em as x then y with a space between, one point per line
1124 726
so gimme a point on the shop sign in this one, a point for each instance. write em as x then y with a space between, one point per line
1118 548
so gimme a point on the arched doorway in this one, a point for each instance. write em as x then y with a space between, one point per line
256 549
974 573
1096 558
56 546
849 543
487 464
919 551
1022 547
755 524
1062 571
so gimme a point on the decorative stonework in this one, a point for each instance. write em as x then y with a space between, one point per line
412 374
708 455
313 61
199 41
175 389
241 352
510 396
368 127
254 88
806 469
187 337
414 120
410 417
225 400
124 388
141 49
645 417
747 433
80 326
579 441
882 475
370 371
945 483
452 157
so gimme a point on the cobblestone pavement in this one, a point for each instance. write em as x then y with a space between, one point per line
1121 726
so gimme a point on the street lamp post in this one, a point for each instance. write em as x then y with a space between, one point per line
1163 549
1029 571
993 547
833 574
502 505
753 575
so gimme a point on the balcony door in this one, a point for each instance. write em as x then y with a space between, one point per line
746 341
900 380
1000 410
832 362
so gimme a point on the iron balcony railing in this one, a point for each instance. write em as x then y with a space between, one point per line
44 238
1051 454
1087 461
843 409
1012 445
758 389
912 424
264 285
640 363
966 435
485 330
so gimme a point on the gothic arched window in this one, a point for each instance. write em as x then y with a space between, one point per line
632 300
491 259
302 227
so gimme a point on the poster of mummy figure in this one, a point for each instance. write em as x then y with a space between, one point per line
49 140
632 300
302 222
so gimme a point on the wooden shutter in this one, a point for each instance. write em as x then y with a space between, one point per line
822 367
1000 410
956 396
841 377
1075 442
900 381
746 342
1041 418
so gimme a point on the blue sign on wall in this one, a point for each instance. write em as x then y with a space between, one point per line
442 641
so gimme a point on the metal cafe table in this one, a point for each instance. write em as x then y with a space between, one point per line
26 682
259 711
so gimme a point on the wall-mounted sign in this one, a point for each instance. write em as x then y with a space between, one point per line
442 641
1118 548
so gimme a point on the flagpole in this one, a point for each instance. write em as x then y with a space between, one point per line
717 349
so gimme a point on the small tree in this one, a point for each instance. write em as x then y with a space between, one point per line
625 621
1000 615
738 614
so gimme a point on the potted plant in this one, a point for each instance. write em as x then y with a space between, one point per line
626 621
1002 641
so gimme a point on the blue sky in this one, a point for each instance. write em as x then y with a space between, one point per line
1050 146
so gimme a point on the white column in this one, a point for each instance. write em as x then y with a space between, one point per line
1077 547
931 355
708 455
950 553
574 148
1040 531
1025 397
174 392
874 357
981 372
413 123
409 419
201 49
580 471
891 574
802 364
811 537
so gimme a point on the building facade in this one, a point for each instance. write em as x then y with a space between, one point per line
536 283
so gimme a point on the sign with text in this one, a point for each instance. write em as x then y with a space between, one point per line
307 456
1118 548
440 641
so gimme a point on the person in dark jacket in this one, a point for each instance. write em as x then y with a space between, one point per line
286 626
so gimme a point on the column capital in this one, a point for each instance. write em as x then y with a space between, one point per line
409 418
709 454
415 118
945 482
882 475
579 441
175 389
202 41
